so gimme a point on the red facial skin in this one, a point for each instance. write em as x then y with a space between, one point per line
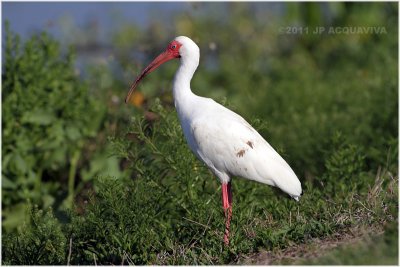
170 53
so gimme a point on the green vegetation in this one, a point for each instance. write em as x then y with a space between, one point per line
47 118
88 180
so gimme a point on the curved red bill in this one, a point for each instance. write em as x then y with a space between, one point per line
162 58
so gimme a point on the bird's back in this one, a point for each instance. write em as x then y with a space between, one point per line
231 146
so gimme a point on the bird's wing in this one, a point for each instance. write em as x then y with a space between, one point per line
230 146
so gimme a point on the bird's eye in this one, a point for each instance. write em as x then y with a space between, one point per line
173 46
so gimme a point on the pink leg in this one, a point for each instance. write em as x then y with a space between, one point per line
227 205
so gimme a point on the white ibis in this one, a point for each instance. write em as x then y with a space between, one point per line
222 139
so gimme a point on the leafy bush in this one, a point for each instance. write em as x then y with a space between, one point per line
41 242
48 116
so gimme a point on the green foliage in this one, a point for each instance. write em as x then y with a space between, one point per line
345 168
48 115
41 242
170 211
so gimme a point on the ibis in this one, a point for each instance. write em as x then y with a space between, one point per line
219 137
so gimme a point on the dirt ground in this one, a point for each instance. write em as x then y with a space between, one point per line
315 247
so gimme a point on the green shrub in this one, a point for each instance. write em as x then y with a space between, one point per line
41 242
47 116
170 211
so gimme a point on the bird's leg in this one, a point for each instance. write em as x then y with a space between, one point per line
227 205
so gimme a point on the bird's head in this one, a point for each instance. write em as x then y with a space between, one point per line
180 47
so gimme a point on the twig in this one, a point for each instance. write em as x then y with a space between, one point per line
330 201
94 257
70 251
208 222
366 207
123 258
206 226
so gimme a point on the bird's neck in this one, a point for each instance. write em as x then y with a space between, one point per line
181 86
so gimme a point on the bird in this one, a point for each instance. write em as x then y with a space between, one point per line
223 140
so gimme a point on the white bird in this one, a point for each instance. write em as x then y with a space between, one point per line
222 139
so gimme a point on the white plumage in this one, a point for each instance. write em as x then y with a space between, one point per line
222 139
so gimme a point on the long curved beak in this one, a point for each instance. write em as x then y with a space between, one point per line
162 58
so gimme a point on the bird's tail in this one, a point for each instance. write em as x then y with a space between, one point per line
297 198
288 182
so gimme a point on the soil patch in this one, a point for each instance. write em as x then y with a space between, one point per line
313 248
